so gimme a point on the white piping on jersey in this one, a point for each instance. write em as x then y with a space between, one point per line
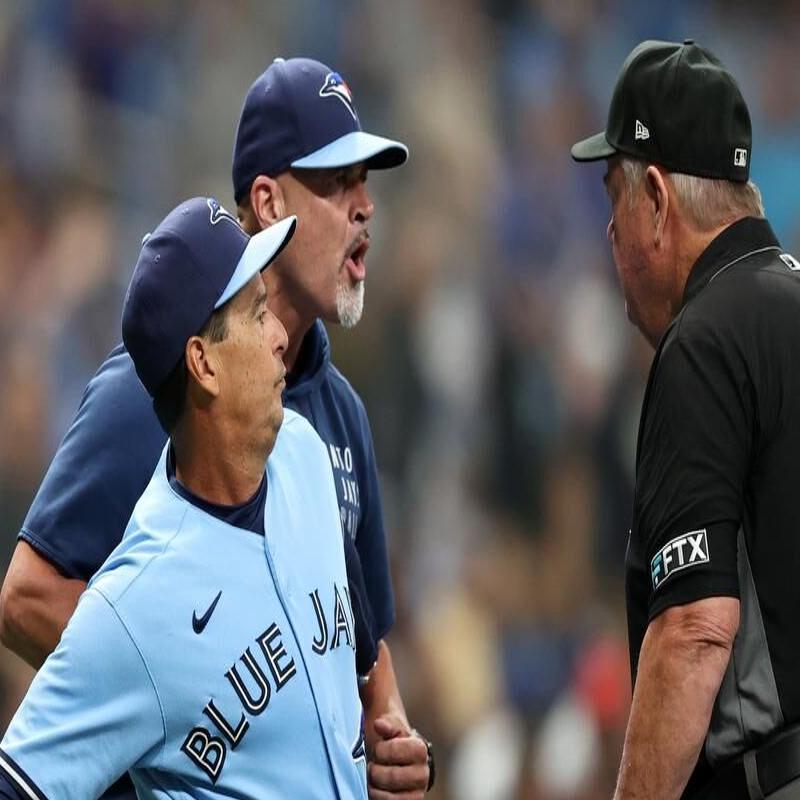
746 255
21 782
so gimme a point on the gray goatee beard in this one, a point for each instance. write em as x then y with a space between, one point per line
349 303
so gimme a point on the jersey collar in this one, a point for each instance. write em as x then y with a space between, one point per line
736 241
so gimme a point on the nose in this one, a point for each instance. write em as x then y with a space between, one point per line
281 339
362 207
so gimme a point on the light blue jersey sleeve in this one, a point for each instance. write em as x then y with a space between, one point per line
90 714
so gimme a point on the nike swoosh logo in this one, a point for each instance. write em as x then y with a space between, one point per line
199 625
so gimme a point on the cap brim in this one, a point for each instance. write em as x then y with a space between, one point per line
262 249
353 148
593 149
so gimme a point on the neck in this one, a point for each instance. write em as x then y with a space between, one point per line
218 465
690 244
294 319
693 244
296 329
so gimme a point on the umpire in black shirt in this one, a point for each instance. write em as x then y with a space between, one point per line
713 563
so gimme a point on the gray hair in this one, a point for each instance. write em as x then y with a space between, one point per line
708 203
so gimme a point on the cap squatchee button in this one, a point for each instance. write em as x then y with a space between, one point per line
688 41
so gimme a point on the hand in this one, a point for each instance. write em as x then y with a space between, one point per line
398 766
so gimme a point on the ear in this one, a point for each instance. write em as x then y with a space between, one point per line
658 193
267 201
202 367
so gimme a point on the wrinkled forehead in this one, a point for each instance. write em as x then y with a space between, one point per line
331 182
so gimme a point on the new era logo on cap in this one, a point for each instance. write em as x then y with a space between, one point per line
641 131
740 157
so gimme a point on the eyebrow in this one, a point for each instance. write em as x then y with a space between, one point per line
355 173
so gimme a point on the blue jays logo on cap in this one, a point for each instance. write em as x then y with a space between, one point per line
335 86
219 213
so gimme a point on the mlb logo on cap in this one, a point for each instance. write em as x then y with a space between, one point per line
300 114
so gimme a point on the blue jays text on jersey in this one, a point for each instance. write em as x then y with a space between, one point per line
170 669
115 440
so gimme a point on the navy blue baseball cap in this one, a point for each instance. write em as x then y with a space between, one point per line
300 113
196 260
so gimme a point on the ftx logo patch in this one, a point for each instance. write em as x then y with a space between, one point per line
688 550
335 86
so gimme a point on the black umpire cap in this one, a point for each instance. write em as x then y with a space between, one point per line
676 105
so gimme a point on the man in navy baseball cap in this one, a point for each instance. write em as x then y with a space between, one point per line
300 114
191 265
300 149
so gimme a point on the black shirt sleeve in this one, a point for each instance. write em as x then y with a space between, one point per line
695 452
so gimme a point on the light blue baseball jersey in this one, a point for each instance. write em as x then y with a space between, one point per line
207 660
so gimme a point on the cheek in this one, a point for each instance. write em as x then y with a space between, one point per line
622 240
315 248
330 226
625 258
250 358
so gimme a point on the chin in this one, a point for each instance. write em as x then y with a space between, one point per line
273 426
349 304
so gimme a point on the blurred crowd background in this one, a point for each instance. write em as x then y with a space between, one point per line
502 379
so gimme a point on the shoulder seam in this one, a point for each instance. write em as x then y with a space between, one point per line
761 251
752 253
152 558
144 664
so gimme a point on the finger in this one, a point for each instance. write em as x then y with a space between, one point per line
387 726
401 751
380 794
398 779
